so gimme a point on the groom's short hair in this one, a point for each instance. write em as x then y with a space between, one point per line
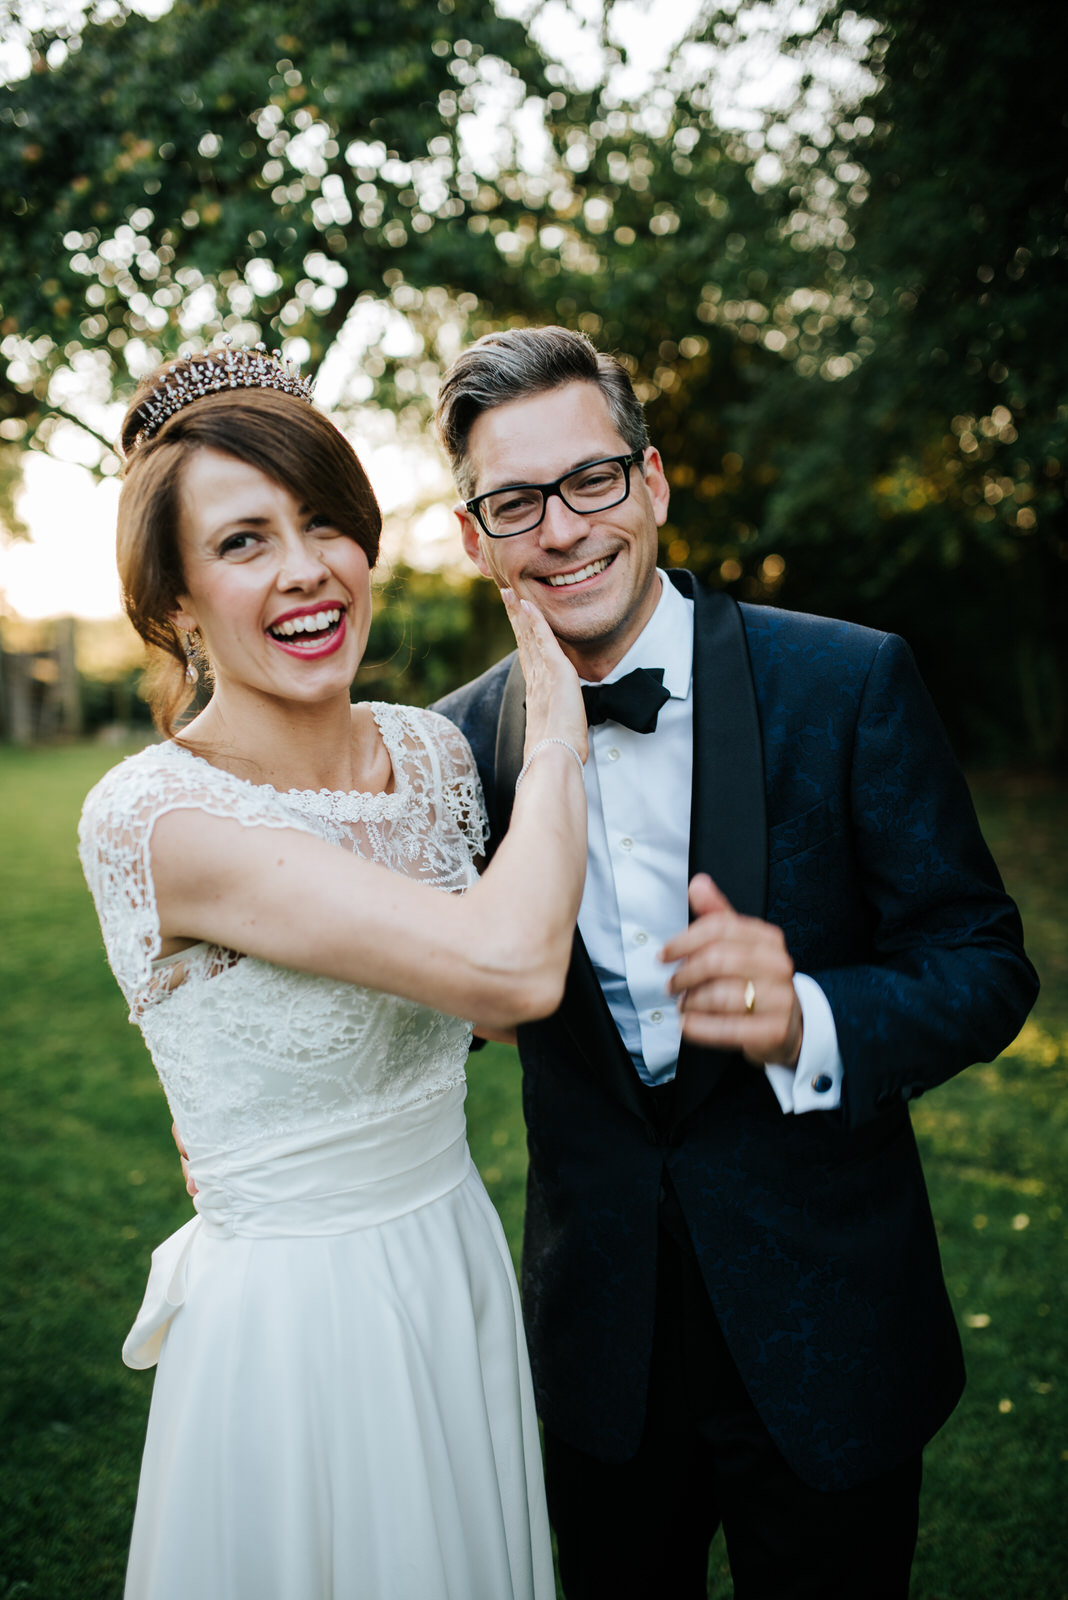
519 362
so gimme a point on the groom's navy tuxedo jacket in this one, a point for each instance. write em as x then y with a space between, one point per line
825 799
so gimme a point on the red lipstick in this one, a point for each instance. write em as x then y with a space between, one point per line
310 647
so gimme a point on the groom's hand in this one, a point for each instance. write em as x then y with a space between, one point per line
734 981
183 1156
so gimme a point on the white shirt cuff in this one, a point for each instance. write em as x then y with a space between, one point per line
815 1084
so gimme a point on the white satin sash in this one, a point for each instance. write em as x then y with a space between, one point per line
356 1177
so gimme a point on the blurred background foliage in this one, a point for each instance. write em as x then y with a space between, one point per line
847 318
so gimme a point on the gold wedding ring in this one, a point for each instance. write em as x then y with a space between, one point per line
750 997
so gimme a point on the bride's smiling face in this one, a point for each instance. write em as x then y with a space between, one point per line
281 597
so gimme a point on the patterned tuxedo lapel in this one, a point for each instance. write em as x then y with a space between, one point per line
728 829
511 731
728 826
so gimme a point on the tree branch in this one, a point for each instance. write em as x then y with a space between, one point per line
110 445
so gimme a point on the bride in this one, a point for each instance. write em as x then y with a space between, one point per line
289 898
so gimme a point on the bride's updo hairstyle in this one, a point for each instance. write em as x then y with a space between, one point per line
184 407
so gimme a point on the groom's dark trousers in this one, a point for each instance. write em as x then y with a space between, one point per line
744 1304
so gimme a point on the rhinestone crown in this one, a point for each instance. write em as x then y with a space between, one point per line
240 368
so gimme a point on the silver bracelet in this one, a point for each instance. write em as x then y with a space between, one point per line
541 746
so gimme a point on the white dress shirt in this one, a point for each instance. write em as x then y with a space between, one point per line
638 789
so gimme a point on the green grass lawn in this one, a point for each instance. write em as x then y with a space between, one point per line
89 1183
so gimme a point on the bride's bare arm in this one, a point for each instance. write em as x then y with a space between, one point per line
499 952
490 1035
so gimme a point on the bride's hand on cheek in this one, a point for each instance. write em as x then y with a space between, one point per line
555 709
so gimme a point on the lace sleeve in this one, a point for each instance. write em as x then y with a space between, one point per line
460 782
114 839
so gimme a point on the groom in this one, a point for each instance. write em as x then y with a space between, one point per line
732 1289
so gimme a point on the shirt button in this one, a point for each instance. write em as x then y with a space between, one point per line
626 844
658 1016
641 938
822 1083
613 754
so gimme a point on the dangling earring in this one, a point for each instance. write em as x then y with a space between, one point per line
191 674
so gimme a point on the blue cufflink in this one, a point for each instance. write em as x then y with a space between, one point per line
822 1083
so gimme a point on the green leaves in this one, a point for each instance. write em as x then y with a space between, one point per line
250 167
845 314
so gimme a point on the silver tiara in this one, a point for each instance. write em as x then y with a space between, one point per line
215 371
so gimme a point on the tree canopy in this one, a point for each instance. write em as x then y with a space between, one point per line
846 317
259 166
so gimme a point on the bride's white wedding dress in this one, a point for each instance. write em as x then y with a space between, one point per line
342 1407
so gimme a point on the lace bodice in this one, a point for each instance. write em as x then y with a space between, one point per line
247 1050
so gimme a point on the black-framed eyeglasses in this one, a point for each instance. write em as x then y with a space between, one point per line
520 507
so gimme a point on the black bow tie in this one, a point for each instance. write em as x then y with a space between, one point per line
634 701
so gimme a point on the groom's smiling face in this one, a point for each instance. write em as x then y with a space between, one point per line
593 577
